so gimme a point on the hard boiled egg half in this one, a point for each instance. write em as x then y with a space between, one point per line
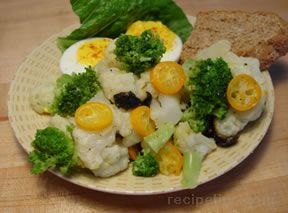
172 42
84 53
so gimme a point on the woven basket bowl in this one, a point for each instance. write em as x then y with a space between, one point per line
44 61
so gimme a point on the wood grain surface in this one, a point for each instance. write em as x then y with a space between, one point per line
259 183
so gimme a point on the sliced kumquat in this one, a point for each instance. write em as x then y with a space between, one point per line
243 92
167 77
141 121
170 159
93 116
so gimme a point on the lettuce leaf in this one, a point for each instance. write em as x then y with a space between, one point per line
110 18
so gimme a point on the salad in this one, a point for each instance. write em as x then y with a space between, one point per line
121 97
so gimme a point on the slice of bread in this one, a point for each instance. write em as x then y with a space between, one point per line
260 35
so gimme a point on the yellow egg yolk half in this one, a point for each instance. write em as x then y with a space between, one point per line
91 52
164 33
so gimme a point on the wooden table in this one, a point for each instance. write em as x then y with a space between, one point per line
259 183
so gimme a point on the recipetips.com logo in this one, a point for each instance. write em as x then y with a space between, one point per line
216 198
193 200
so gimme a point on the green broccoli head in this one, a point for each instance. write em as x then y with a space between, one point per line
145 166
196 122
74 90
139 53
207 82
52 148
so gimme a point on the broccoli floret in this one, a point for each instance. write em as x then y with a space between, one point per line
139 53
197 122
52 148
145 166
74 90
207 82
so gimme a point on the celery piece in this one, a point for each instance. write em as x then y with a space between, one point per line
191 169
158 139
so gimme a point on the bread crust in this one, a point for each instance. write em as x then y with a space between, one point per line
261 35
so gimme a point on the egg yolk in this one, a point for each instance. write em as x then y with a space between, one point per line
164 33
91 52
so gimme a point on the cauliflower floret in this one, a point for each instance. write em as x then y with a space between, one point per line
115 81
99 152
102 66
122 122
42 96
219 49
228 126
188 141
89 146
166 109
131 139
61 123
254 113
99 97
125 129
115 159
110 57
235 121
144 85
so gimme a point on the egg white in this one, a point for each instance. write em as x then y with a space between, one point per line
174 53
69 63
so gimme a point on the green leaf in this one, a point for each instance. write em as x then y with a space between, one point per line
111 18
83 8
